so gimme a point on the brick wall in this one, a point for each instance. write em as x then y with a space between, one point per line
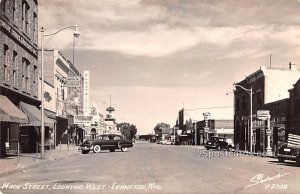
20 46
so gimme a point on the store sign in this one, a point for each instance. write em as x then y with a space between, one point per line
86 89
73 82
81 119
263 114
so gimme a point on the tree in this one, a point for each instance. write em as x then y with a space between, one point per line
127 130
159 128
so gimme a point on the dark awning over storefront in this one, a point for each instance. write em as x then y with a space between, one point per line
34 116
10 113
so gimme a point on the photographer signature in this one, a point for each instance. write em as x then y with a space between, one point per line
260 178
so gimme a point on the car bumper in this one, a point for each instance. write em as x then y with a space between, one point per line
287 157
87 147
210 146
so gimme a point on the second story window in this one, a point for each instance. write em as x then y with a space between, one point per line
15 66
237 104
14 10
259 99
5 7
25 74
244 103
25 17
5 64
34 27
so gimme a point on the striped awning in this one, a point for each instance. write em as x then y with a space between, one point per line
34 116
10 112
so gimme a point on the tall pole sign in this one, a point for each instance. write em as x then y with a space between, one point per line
265 115
86 94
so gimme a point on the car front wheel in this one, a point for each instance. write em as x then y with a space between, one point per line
298 160
124 149
96 149
281 160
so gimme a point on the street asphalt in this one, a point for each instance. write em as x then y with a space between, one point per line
153 168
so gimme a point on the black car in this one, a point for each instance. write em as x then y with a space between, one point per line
288 153
218 143
109 142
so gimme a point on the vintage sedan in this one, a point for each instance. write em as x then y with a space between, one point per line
109 142
218 143
288 153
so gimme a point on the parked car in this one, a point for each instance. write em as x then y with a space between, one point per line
230 144
109 142
163 142
288 153
169 142
218 143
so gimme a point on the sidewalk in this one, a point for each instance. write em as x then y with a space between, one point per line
10 165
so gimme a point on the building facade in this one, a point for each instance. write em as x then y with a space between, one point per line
67 97
269 85
293 121
19 69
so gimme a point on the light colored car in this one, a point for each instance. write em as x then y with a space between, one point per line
163 142
169 142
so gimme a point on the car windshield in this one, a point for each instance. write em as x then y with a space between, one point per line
217 139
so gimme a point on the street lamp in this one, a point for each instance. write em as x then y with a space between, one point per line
76 35
249 91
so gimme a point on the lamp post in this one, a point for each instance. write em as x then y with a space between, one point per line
249 91
76 34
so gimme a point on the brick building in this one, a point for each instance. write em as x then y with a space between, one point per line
270 90
18 70
68 100
293 123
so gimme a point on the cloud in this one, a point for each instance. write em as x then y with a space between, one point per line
162 28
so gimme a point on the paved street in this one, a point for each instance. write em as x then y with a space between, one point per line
153 168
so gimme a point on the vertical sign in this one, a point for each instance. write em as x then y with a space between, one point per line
86 89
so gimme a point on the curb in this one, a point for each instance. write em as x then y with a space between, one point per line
41 162
253 153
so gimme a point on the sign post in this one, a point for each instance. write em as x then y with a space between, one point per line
265 115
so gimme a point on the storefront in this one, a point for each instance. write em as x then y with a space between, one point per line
30 133
10 117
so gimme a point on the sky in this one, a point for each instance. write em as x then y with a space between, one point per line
156 57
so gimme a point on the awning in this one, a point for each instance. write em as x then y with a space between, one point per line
34 116
10 113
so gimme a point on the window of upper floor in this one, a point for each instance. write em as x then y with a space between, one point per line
237 104
244 102
5 64
25 17
259 99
